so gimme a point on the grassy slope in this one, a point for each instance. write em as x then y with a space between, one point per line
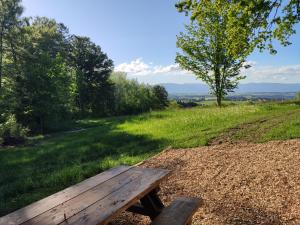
30 173
274 126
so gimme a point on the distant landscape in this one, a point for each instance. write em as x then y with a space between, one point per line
250 91
202 89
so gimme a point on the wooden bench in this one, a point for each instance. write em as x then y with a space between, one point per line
99 199
180 212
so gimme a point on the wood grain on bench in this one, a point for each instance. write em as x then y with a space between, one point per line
93 201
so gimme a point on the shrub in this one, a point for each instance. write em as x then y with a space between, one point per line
11 132
188 104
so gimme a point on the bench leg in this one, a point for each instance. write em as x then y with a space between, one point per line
150 205
153 204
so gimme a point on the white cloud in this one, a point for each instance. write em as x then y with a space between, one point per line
166 69
136 67
150 73
139 67
275 74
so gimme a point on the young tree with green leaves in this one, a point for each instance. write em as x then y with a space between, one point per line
43 88
206 49
223 33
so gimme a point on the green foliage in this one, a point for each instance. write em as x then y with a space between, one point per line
93 68
130 97
161 96
43 85
10 11
11 132
266 20
43 92
207 48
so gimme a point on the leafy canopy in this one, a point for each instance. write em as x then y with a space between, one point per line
10 12
265 19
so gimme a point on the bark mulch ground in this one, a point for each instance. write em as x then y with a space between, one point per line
240 183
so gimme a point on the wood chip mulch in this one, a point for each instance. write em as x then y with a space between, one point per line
240 183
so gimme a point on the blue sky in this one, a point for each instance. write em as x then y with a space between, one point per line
140 36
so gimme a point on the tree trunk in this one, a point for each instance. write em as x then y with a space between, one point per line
219 99
218 87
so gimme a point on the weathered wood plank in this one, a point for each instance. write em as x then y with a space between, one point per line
104 210
22 215
180 212
75 205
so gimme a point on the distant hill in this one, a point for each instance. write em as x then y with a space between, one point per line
243 88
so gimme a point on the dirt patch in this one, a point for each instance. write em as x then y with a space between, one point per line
240 183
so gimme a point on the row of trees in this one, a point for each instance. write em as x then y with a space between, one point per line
131 97
48 76
223 33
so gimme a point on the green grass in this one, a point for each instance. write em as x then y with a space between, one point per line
277 125
288 128
52 163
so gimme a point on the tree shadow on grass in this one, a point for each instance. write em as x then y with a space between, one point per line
31 173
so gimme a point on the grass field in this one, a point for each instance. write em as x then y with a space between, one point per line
52 163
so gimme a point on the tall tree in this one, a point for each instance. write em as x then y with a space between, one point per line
10 11
44 85
93 68
207 48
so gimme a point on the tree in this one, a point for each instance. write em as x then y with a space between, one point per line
161 95
44 84
92 68
10 11
267 20
207 48
131 97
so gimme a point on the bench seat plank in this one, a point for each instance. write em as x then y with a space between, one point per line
180 212
22 215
